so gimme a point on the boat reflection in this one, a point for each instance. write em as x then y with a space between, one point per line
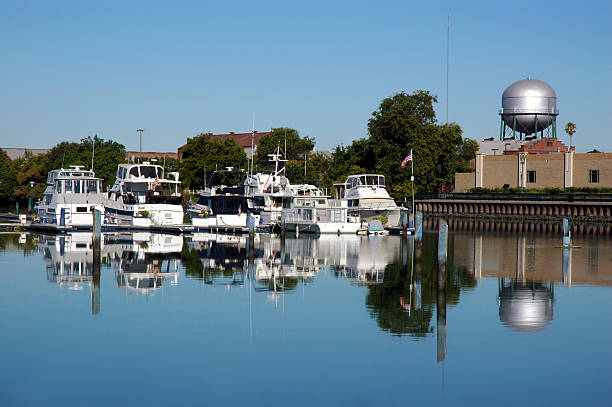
68 259
143 261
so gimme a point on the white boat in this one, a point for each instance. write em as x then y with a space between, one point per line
269 193
142 196
366 196
71 197
221 211
316 213
222 206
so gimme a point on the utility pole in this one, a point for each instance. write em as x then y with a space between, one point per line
140 131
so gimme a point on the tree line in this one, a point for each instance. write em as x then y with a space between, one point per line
402 123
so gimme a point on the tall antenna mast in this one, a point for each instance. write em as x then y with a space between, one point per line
253 144
447 60
93 150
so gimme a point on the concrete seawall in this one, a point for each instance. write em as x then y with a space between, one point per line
529 210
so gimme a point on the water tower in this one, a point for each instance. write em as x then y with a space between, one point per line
529 107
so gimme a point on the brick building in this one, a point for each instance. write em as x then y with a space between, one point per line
545 163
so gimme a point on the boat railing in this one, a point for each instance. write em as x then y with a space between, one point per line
319 215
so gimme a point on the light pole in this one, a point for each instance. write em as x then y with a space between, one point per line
140 131
31 197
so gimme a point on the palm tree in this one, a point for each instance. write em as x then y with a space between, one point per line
570 128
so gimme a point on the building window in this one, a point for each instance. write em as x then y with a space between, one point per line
594 176
549 144
531 176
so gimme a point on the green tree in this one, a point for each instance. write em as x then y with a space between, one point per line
203 151
107 155
296 146
402 123
317 164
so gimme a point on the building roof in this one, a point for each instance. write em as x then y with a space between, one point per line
150 154
15 153
242 139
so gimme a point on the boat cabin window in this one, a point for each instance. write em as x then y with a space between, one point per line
148 171
134 172
68 186
58 186
381 180
77 186
258 201
92 186
137 188
204 201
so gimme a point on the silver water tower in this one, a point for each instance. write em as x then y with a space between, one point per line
529 106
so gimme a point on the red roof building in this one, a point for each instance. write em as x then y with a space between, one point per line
243 140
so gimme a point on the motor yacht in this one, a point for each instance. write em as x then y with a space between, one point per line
143 196
222 205
366 196
71 197
270 193
313 212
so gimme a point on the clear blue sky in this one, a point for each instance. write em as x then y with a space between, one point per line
72 69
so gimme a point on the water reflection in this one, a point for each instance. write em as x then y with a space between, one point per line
143 261
406 282
68 259
525 306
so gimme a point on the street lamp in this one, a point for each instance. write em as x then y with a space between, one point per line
140 131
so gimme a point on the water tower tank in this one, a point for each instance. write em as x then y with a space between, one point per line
529 106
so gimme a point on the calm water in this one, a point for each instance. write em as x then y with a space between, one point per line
349 320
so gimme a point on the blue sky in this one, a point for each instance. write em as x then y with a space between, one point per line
73 69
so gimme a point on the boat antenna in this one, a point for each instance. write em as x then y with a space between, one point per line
447 60
285 143
253 144
93 151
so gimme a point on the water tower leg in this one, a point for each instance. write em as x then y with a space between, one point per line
502 128
513 126
536 125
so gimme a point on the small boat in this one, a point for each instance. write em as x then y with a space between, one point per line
142 196
71 197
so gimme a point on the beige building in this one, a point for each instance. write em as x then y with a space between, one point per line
538 171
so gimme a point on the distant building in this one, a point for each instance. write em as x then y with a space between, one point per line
15 153
544 164
243 140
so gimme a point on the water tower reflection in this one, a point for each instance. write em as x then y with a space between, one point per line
525 306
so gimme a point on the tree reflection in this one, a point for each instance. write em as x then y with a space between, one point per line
405 301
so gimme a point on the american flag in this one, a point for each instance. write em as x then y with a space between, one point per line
407 159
